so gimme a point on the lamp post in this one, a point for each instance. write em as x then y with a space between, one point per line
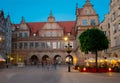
68 50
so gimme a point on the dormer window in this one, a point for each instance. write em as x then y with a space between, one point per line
88 12
34 34
68 34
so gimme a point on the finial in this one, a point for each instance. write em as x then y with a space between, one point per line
87 1
76 5
23 20
51 14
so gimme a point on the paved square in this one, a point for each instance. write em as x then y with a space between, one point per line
34 74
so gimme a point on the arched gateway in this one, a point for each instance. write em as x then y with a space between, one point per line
57 59
34 60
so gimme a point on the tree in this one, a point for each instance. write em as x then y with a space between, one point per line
93 40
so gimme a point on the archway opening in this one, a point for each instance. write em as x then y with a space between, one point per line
57 59
69 58
34 60
45 58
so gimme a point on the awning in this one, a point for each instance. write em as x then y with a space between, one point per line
1 58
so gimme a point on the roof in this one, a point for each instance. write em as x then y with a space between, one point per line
35 26
68 26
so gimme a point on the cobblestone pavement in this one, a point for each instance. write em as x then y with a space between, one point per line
35 74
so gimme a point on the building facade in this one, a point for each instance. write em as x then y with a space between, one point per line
86 18
5 35
38 41
111 27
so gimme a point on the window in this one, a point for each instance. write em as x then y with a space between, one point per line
48 34
42 44
31 45
25 35
84 22
48 45
54 34
113 16
54 45
114 28
36 45
25 45
20 45
88 12
59 45
108 25
20 35
92 22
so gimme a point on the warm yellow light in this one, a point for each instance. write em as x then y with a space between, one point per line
101 61
11 58
119 60
113 61
65 38
0 39
20 59
106 60
74 60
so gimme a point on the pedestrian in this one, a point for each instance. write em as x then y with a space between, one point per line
55 65
42 64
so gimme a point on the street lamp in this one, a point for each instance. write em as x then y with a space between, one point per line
1 39
68 50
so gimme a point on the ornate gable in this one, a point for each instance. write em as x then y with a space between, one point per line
51 30
23 26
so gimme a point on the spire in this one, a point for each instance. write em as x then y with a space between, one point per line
1 13
76 13
76 5
8 18
23 20
51 18
51 14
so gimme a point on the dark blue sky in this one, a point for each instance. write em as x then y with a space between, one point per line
38 10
